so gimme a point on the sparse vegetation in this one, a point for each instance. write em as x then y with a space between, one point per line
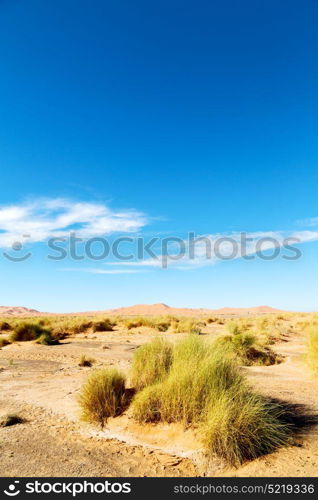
102 396
196 381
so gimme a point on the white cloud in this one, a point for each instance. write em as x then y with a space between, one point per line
46 218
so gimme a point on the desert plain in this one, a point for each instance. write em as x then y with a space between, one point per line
40 384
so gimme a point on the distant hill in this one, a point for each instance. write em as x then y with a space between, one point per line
163 309
147 310
18 311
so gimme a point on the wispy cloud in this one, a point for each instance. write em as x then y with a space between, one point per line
207 250
47 218
93 270
311 222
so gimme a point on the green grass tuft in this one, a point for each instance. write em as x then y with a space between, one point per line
151 363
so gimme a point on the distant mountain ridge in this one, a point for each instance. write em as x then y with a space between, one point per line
147 310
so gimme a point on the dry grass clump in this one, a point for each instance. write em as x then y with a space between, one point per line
240 425
102 396
211 319
66 326
161 324
105 325
137 322
78 326
11 419
312 349
5 326
233 327
249 350
25 331
188 326
151 363
84 361
4 342
205 387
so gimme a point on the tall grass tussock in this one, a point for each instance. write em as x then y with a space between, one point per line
240 425
151 363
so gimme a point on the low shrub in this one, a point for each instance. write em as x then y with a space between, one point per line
102 396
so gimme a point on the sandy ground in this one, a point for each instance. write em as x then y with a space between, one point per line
41 384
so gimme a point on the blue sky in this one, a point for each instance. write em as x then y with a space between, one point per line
144 119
